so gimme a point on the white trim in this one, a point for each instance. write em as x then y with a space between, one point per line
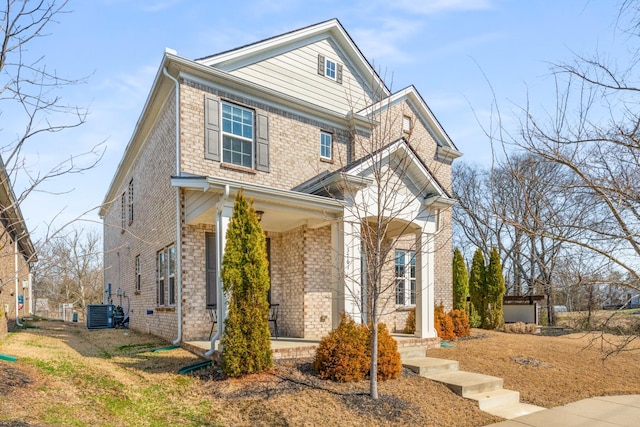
259 191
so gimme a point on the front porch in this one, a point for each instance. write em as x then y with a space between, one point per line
294 348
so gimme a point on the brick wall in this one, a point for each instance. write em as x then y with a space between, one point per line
152 230
294 142
8 284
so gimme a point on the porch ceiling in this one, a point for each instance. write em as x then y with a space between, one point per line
282 209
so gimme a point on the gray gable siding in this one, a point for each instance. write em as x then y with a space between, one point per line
295 73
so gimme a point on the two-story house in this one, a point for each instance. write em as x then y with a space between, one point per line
303 124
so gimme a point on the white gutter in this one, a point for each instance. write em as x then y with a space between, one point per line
15 253
178 209
219 295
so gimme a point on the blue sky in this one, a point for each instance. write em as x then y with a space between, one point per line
457 53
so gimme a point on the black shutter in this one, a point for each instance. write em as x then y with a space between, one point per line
339 74
211 129
262 143
212 277
321 65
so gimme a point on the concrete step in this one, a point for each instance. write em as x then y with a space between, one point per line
513 410
466 383
412 352
426 366
491 399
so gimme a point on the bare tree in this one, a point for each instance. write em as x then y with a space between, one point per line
30 100
69 269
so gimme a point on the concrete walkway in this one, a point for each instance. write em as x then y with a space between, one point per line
596 411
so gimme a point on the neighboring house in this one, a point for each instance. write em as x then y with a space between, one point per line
16 256
276 119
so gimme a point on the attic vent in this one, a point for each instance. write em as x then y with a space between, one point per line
329 68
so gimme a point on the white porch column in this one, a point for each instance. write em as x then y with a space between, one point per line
351 290
425 303
221 237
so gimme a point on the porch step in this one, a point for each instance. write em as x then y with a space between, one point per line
466 383
411 352
494 398
426 366
514 410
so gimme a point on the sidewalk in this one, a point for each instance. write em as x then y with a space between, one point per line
596 411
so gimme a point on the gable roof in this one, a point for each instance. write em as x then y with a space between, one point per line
411 95
434 193
249 54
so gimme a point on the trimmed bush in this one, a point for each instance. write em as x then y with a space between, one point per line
389 363
460 320
345 354
520 328
342 355
443 324
410 326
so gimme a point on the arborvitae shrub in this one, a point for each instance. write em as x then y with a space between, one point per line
389 363
410 326
460 321
443 324
245 274
474 318
342 355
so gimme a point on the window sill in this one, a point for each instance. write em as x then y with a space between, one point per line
165 309
325 160
231 166
136 293
405 307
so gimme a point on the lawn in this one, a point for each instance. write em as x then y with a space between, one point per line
67 375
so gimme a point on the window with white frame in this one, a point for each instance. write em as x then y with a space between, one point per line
326 144
161 277
138 274
237 135
130 202
123 211
171 255
405 271
330 69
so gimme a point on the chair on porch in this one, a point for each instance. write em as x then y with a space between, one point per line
213 315
273 317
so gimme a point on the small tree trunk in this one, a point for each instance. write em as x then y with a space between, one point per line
373 372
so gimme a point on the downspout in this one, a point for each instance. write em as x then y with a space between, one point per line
15 253
178 209
219 296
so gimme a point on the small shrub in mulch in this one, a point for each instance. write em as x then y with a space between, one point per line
529 361
520 328
443 323
461 327
410 326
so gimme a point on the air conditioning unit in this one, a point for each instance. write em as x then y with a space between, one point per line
99 316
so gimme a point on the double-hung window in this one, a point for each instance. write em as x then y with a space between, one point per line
171 254
326 142
237 135
405 271
130 202
138 274
161 277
